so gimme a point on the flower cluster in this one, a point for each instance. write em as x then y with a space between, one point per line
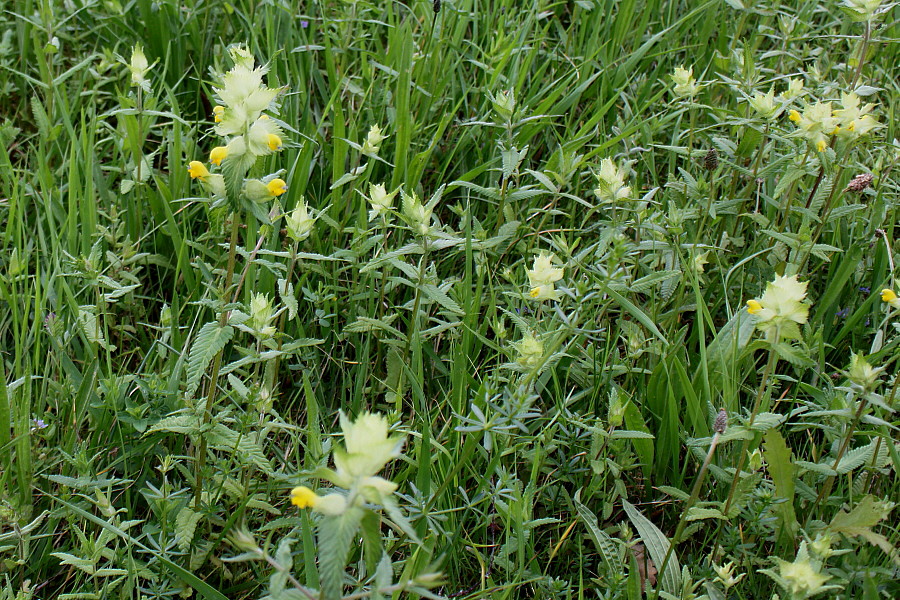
248 132
542 276
781 309
367 449
611 183
818 122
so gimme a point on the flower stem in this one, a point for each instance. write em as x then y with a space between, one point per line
217 363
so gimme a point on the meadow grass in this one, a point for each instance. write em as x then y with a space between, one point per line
551 311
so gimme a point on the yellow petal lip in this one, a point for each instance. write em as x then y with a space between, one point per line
794 116
303 497
197 169
218 112
888 295
753 307
218 154
277 187
274 142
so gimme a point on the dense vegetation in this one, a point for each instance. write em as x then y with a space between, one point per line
574 299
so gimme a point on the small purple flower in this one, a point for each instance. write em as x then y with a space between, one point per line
38 424
304 24
843 313
865 290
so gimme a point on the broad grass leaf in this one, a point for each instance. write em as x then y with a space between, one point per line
658 546
606 546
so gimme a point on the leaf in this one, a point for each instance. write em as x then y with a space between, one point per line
437 295
185 526
240 445
210 340
658 546
782 469
82 564
765 421
336 535
605 545
286 293
697 513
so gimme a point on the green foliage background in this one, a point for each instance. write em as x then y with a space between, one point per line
519 482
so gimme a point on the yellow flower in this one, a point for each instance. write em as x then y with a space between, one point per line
890 296
542 276
684 82
367 447
330 504
218 111
303 497
781 308
218 154
277 187
803 580
197 169
816 123
611 183
373 141
380 200
854 121
274 142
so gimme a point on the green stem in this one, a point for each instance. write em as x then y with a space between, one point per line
745 447
217 363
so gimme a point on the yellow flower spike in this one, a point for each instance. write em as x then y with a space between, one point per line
277 187
218 154
218 112
794 116
274 142
197 169
753 307
303 497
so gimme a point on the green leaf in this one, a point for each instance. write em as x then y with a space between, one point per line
286 293
781 468
185 525
658 546
336 535
605 545
209 342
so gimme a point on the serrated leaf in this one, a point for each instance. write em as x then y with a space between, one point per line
210 340
697 513
335 536
286 293
781 468
82 564
856 458
658 546
184 424
185 525
437 295
241 446
766 420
